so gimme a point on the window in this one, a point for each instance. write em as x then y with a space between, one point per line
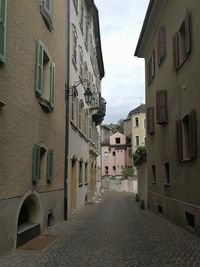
114 168
80 114
106 169
76 5
153 168
81 67
84 121
3 8
186 137
80 172
190 221
86 33
42 163
161 105
167 173
137 140
161 49
150 120
90 127
46 10
106 155
136 122
151 68
81 18
74 45
45 78
182 42
117 140
86 173
113 153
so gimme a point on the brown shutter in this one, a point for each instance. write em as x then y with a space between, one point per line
176 50
187 32
161 105
179 140
150 120
193 133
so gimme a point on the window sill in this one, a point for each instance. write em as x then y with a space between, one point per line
186 160
86 183
153 183
167 184
46 106
80 185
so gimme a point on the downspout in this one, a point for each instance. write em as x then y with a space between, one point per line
67 111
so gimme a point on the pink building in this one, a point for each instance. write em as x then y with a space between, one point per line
116 154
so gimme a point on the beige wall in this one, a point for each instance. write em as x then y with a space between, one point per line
23 122
138 131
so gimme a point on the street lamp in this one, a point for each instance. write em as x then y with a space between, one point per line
72 91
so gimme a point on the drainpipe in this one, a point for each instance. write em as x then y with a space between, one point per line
67 111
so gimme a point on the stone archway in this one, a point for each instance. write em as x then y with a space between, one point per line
29 220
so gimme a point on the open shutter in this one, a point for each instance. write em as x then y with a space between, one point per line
179 139
49 166
52 85
193 133
150 120
36 163
176 51
39 69
161 105
187 32
3 5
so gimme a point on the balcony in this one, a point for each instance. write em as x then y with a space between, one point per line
100 111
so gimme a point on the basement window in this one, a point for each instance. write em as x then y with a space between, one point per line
190 219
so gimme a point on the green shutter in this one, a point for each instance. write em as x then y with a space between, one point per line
47 4
3 5
49 166
52 86
36 163
39 69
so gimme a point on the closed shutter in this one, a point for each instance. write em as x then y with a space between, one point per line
179 139
161 45
176 51
39 69
150 120
161 105
3 5
52 85
36 163
49 166
187 32
193 133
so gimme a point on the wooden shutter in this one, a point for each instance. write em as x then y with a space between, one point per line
36 163
3 6
179 139
161 49
150 120
49 174
193 133
176 51
187 32
39 69
52 85
161 105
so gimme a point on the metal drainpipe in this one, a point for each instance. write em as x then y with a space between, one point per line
67 112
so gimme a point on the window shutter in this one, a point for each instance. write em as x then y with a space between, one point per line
36 163
161 45
193 133
161 104
3 5
176 50
52 85
49 175
179 139
39 69
150 120
187 32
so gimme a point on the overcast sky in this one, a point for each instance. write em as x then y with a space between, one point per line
123 84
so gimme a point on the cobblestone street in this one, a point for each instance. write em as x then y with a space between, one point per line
115 232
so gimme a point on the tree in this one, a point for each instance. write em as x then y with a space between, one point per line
128 171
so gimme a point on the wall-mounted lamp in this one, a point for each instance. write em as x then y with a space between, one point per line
72 91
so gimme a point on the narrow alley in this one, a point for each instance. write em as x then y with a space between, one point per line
115 232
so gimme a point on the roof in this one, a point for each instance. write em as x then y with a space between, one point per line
139 109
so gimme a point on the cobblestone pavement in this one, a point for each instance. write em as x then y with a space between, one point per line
117 233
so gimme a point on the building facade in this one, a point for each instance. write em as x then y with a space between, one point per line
32 118
169 42
116 155
86 69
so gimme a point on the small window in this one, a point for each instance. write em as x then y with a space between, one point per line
161 49
113 153
45 78
151 68
136 122
117 140
114 168
167 173
106 170
74 46
137 140
46 11
153 168
190 219
106 155
80 180
160 210
3 15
